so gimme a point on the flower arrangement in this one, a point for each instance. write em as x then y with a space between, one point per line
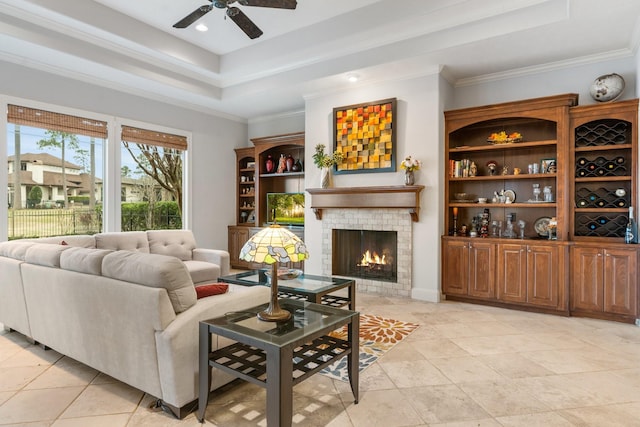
410 164
322 160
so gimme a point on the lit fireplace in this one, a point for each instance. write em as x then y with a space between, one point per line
368 254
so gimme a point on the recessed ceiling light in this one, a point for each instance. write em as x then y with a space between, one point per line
201 27
353 78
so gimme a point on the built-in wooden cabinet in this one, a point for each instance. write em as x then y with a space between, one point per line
254 181
533 274
586 269
469 268
605 281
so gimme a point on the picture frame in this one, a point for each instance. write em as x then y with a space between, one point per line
365 135
548 166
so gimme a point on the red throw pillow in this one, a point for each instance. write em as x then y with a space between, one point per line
211 289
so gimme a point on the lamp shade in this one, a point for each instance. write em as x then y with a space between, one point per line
274 244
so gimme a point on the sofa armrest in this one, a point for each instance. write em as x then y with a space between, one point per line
215 256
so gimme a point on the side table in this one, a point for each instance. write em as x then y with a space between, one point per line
278 355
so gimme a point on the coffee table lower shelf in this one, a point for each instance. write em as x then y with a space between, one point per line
250 363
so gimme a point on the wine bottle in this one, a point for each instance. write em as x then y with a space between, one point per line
631 232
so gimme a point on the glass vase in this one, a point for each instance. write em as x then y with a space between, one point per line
409 178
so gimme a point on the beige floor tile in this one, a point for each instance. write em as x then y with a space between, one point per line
503 397
372 378
37 405
547 419
437 348
14 379
387 408
581 389
112 398
514 365
465 369
486 422
584 359
622 415
117 420
6 395
32 355
413 373
443 403
500 344
65 373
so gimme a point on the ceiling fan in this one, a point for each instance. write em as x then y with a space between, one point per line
236 14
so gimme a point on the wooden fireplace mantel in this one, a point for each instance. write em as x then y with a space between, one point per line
392 197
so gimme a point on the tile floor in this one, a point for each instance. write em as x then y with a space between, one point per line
467 365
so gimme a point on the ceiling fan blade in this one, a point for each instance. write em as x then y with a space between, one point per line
193 16
244 22
280 4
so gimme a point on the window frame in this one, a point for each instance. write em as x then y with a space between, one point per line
112 161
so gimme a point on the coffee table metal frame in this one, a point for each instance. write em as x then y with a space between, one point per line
317 289
276 355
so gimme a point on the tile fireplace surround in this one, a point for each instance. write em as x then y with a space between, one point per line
397 220
371 208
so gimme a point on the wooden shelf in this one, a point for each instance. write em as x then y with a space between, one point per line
510 146
503 177
405 196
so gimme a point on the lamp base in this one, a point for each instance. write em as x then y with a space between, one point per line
274 314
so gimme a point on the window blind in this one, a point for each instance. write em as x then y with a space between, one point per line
49 120
144 136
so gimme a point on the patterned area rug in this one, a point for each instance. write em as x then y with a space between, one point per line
377 336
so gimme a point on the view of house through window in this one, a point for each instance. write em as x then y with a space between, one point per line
56 175
55 167
151 179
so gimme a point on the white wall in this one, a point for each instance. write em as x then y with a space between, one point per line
213 139
575 79
276 125
418 134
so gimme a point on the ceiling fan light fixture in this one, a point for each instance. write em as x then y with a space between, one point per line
202 27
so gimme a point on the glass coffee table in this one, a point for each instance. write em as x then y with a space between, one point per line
278 355
317 289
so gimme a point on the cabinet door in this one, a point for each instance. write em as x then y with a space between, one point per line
455 267
512 273
586 284
482 258
543 275
620 281
238 236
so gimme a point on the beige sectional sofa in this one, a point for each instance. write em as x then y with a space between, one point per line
121 306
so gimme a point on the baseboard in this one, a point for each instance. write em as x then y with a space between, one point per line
429 295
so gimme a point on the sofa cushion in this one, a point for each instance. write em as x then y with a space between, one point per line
202 272
133 241
83 260
177 243
204 291
158 271
80 240
45 254
15 249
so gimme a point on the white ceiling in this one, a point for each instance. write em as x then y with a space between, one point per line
130 45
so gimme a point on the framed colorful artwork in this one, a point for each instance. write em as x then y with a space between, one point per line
365 135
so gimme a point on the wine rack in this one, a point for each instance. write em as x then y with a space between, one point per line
589 167
603 152
603 132
602 197
600 225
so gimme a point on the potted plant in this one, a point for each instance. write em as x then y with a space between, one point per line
325 162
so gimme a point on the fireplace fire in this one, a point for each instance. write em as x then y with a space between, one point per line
368 254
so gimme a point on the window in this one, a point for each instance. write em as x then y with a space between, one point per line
57 189
151 179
